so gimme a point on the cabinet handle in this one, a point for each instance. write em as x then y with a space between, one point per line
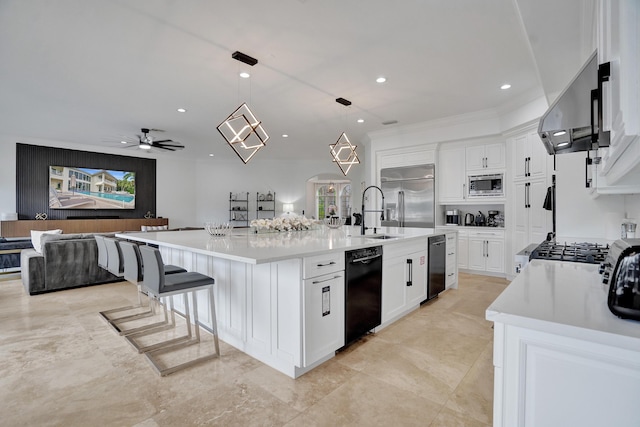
410 264
326 265
315 282
452 274
464 194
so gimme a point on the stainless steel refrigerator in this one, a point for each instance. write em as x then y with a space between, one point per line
409 196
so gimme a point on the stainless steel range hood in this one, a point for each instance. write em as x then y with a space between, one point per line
574 121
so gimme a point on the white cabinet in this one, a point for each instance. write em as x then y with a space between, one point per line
463 249
530 221
486 251
323 316
543 379
404 284
323 309
450 172
529 158
485 157
451 265
618 44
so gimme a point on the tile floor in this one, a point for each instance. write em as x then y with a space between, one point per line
61 365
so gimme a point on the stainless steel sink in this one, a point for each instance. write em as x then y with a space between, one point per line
380 236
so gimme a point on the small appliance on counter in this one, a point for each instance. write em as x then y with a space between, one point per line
452 217
481 220
469 219
492 218
621 270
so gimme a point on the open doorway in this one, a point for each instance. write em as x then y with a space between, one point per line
329 195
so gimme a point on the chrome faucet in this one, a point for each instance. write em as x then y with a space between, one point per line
362 227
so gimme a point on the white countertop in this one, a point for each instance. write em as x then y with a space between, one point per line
564 298
244 246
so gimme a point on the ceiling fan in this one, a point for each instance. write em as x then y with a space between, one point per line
146 141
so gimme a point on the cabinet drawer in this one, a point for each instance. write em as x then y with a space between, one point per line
451 260
488 234
450 278
323 264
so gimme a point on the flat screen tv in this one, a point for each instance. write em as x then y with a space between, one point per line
85 188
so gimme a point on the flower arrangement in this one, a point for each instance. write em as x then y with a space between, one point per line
293 223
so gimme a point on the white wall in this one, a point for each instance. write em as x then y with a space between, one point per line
578 214
217 178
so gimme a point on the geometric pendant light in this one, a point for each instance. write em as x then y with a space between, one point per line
243 132
344 153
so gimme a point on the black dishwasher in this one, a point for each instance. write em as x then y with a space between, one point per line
363 292
436 265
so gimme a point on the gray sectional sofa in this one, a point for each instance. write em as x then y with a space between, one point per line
67 261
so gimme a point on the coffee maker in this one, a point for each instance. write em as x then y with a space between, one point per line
492 220
452 217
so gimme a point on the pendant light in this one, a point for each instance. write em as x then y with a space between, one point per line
343 152
242 130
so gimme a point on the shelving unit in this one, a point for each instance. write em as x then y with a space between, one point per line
239 209
265 205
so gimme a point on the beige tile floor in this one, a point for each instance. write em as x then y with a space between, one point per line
61 365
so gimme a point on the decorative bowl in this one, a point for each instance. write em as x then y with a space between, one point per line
334 222
218 229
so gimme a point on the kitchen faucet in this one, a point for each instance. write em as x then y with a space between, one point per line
362 227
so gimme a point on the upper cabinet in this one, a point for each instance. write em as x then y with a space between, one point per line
450 175
529 156
485 157
619 44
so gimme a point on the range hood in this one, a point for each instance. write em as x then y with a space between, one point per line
574 121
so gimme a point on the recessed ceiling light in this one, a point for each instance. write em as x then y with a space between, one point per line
381 79
211 155
182 110
124 142
505 86
563 144
245 75
559 133
360 120
145 147
284 135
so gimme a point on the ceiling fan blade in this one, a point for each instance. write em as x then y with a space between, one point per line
162 141
168 148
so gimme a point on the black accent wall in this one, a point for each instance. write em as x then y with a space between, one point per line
32 181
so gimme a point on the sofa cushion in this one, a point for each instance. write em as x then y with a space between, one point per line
36 237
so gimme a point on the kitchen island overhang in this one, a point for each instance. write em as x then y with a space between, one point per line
269 287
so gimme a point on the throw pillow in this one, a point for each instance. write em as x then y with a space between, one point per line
37 235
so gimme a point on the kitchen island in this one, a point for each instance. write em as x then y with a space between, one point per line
280 296
561 357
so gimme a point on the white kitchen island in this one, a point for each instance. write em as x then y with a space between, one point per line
561 357
280 296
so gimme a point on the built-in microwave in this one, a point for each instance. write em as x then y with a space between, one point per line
486 185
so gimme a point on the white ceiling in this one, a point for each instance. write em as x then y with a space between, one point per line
96 71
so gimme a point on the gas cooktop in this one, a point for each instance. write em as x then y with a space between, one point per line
591 253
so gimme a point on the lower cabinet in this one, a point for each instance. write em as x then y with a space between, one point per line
323 316
451 269
404 278
486 251
544 379
463 249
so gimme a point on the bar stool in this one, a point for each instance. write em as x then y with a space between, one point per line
159 285
102 252
116 265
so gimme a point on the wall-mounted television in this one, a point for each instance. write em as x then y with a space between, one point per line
86 188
